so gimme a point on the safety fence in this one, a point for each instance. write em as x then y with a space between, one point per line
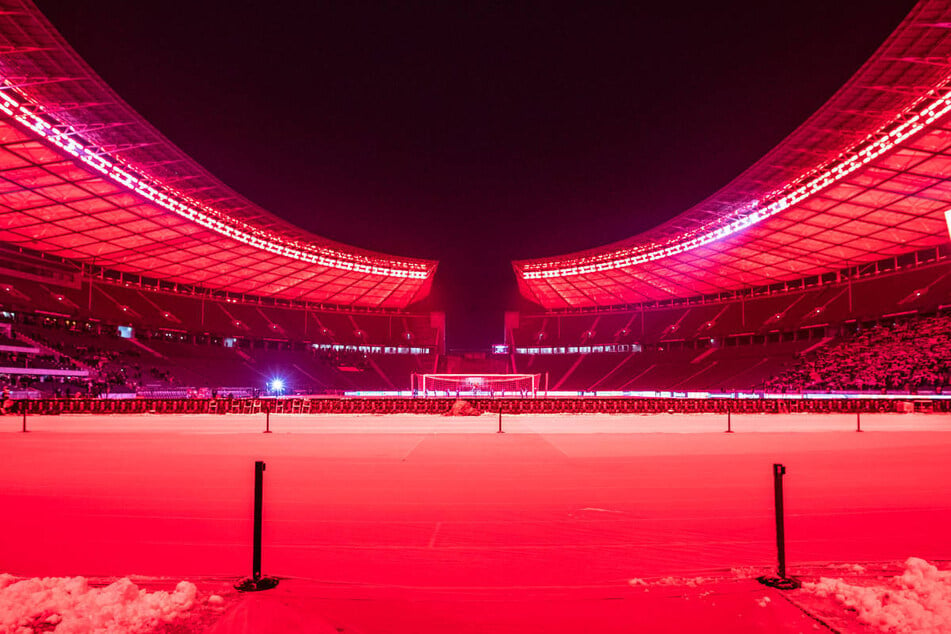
443 405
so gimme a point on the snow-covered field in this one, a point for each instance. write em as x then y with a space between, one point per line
428 513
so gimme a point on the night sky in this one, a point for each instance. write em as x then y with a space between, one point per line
475 133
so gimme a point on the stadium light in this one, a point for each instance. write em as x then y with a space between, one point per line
947 219
908 122
65 137
276 385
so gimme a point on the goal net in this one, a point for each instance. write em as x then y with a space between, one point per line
477 384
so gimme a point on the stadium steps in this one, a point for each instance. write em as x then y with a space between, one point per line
61 300
544 329
639 375
235 322
154 353
124 310
166 314
818 313
12 291
273 326
753 375
710 324
565 376
356 328
308 375
675 326
19 336
780 316
629 324
593 329
376 368
617 367
704 370
916 294
308 315
250 365
818 345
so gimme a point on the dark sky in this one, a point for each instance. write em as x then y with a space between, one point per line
475 133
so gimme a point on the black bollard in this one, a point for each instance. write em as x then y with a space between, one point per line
267 420
858 421
257 580
778 472
500 420
258 512
782 581
729 423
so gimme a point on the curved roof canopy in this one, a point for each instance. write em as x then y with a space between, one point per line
84 177
864 178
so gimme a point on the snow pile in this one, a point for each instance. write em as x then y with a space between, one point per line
463 408
850 567
690 582
676 582
70 605
918 600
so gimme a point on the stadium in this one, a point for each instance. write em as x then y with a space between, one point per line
574 476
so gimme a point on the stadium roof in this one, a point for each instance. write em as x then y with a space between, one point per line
864 178
84 177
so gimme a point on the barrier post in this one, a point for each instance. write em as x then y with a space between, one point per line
23 405
267 419
858 421
258 512
257 580
729 422
782 581
500 420
778 472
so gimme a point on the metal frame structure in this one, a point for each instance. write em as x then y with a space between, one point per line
500 384
85 177
864 178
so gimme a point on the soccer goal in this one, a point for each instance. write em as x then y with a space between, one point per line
477 384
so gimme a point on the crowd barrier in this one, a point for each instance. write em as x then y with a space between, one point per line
442 405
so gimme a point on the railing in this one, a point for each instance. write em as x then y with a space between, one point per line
587 405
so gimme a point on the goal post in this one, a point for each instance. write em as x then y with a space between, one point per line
477 384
